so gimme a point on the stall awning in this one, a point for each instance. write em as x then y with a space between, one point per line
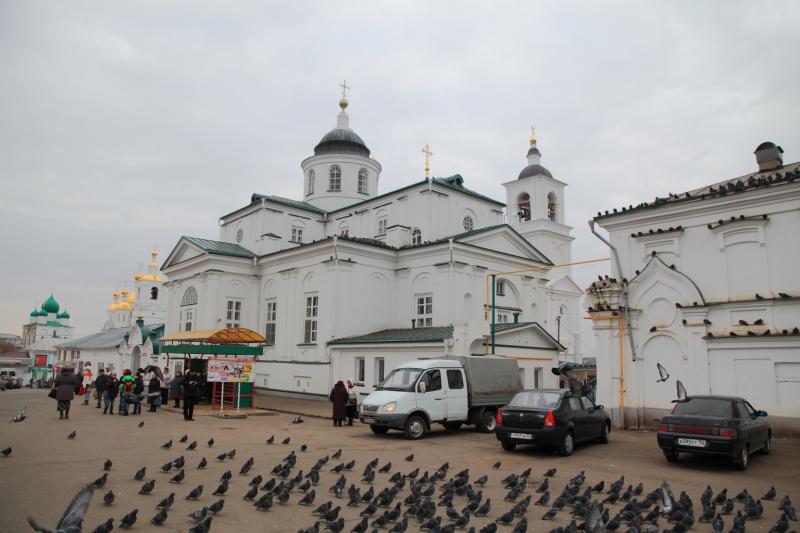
216 336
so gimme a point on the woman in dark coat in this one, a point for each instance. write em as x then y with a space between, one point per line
339 397
65 385
175 388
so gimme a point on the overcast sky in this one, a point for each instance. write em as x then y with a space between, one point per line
128 124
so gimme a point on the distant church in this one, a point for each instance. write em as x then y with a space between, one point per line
350 282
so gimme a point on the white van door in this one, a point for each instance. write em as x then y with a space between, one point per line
456 394
433 400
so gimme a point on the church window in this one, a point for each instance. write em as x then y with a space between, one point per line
239 235
500 287
362 181
382 225
189 296
188 322
272 319
468 223
154 293
233 314
524 207
380 370
335 178
180 320
297 235
502 318
360 367
551 207
416 237
311 181
344 229
310 328
424 310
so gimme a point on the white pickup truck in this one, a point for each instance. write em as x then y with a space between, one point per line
451 391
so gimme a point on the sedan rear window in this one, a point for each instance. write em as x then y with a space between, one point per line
704 407
546 400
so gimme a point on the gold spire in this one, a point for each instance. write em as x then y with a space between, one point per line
343 102
533 136
428 154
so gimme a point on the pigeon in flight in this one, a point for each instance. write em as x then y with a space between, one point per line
662 372
682 394
72 518
22 415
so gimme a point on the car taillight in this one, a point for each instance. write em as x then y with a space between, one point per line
726 432
662 427
549 420
499 418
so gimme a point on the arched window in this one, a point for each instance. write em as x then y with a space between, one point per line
551 206
154 293
239 235
468 223
189 296
524 207
416 237
362 181
310 182
335 178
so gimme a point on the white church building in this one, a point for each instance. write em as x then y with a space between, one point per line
708 285
349 281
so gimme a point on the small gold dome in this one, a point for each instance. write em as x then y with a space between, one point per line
132 297
137 276
112 307
123 306
116 295
343 103
152 264
124 292
152 277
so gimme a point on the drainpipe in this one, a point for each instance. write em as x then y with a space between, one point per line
494 285
450 279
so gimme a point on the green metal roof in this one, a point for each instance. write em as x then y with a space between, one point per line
255 197
507 326
456 183
435 334
219 247
50 305
54 324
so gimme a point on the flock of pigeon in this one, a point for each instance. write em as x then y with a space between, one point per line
412 500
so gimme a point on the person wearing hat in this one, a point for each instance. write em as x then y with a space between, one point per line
65 385
125 392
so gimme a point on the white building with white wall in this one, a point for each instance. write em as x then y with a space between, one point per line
350 282
709 287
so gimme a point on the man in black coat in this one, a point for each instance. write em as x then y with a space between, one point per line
191 394
100 385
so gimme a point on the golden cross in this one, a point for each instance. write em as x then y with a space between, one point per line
428 154
344 87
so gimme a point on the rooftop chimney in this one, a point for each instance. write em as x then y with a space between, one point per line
768 156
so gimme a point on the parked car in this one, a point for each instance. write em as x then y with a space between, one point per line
715 425
554 418
451 391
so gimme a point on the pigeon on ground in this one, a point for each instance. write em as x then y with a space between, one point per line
127 521
184 438
6 452
202 464
199 514
297 420
287 440
72 435
216 507
195 493
337 454
308 499
221 489
264 503
222 456
192 445
550 514
19 417
550 473
147 488
271 439
210 442
303 447
139 475
108 498
72 518
167 445
770 495
166 467
410 458
101 481
167 502
231 454
202 527
107 465
251 494
178 478
105 527
141 424
226 476
159 518
497 465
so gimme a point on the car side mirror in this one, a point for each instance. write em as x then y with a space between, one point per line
599 406
421 387
761 413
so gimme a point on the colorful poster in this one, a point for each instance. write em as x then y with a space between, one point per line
231 370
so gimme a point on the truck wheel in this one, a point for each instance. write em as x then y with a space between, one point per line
508 445
378 430
603 439
452 425
415 427
487 422
567 445
671 456
740 462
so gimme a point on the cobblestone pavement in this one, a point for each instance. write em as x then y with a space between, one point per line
45 469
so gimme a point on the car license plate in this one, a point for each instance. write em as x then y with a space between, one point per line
523 436
695 443
368 420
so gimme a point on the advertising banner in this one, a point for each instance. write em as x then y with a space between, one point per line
231 370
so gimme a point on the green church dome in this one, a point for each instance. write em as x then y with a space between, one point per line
50 305
64 314
35 313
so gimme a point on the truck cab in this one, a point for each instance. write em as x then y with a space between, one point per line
419 393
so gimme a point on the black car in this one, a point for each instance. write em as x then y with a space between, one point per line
551 417
715 425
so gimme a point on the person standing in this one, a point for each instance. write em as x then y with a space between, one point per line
153 392
100 385
191 394
175 387
138 390
165 383
352 402
338 397
112 388
88 378
65 385
125 392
